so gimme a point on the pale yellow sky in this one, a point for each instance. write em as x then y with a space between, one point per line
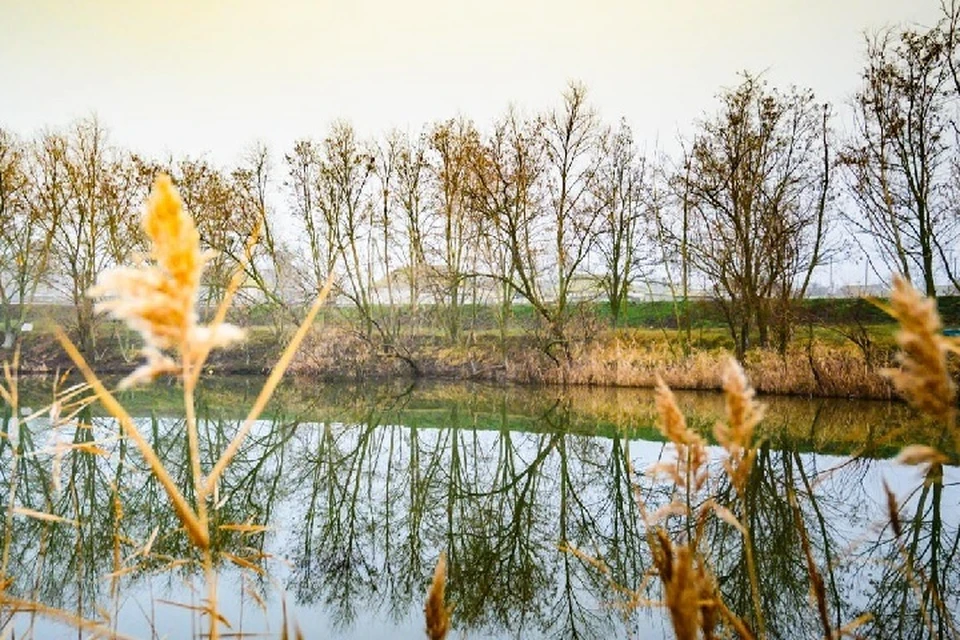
210 76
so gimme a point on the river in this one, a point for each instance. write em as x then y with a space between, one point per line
361 487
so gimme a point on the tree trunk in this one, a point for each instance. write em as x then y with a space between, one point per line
744 342
763 324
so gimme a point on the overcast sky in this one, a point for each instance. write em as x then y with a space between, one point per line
210 76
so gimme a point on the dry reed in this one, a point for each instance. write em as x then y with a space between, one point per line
823 369
680 581
893 511
743 416
923 378
817 587
690 594
690 591
689 472
436 611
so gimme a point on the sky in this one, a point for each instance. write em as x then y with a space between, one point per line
209 77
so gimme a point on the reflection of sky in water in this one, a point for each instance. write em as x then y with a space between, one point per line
358 516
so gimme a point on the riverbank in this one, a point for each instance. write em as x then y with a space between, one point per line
623 358
819 366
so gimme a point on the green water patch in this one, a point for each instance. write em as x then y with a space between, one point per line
868 428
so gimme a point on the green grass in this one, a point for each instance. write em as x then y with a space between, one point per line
703 314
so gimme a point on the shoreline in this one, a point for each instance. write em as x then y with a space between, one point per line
816 370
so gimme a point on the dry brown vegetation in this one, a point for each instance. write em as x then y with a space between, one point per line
436 610
614 359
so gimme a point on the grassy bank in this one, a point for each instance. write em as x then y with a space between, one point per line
625 358
838 351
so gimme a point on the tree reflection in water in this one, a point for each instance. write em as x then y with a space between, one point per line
362 489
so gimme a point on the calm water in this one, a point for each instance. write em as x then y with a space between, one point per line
362 487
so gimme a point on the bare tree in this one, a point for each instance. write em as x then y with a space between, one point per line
386 158
898 163
950 29
451 145
303 184
347 205
210 194
571 136
667 200
85 193
24 241
345 172
755 184
412 177
618 191
533 187
269 266
505 192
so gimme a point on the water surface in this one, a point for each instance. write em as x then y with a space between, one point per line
361 488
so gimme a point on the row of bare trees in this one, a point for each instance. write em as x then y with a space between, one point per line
549 209
443 221
69 208
65 203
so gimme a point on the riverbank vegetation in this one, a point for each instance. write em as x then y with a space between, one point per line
838 351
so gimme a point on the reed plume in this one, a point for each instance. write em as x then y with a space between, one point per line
893 511
681 584
922 378
690 470
157 299
436 610
743 415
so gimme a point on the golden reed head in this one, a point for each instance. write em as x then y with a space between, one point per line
158 298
